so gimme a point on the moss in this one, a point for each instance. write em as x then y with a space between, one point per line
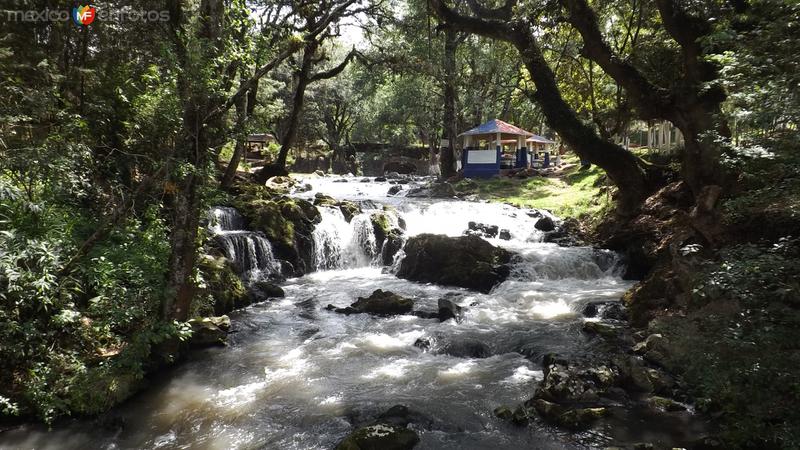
382 227
223 289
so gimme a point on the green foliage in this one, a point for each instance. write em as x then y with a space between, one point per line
577 194
61 335
739 351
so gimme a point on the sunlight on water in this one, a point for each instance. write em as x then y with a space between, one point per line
457 372
297 376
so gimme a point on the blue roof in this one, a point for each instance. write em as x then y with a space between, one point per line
495 126
540 139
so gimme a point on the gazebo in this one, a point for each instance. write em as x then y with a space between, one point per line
539 144
483 148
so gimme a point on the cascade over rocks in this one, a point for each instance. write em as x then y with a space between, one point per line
464 261
287 223
348 209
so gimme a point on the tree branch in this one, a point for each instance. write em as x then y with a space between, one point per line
324 75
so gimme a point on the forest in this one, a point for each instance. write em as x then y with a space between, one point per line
268 224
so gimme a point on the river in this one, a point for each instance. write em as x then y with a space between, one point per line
296 376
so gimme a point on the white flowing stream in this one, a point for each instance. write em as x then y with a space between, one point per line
297 376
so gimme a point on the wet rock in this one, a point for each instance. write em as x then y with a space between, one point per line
205 333
612 310
503 412
465 261
380 179
423 344
573 419
263 290
392 245
433 190
222 322
348 209
568 233
449 310
466 348
392 175
504 235
305 187
483 230
380 303
380 436
394 189
545 224
319 173
425 314
288 224
341 180
602 329
520 416
665 404
365 180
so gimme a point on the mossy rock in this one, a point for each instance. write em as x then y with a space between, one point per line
381 227
380 436
287 223
223 286
348 209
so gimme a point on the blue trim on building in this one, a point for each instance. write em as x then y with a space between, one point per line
482 170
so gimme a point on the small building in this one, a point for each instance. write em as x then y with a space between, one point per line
540 149
496 146
258 141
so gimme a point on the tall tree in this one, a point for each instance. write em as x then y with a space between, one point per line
634 178
204 77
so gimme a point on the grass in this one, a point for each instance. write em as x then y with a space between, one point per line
576 193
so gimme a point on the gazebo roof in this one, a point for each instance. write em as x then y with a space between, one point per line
495 126
539 139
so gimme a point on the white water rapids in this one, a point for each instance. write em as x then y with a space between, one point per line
297 376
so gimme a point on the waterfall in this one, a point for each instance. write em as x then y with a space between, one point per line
338 244
249 251
225 218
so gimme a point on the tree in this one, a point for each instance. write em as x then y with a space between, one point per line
203 81
320 23
634 178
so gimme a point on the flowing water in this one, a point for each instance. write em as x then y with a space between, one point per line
297 376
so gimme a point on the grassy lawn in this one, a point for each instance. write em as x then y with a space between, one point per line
575 193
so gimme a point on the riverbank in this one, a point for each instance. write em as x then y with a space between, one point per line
571 191
715 307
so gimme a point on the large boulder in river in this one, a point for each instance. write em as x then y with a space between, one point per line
464 261
379 303
206 332
433 190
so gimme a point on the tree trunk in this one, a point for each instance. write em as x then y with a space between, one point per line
242 109
193 154
634 178
449 120
303 76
